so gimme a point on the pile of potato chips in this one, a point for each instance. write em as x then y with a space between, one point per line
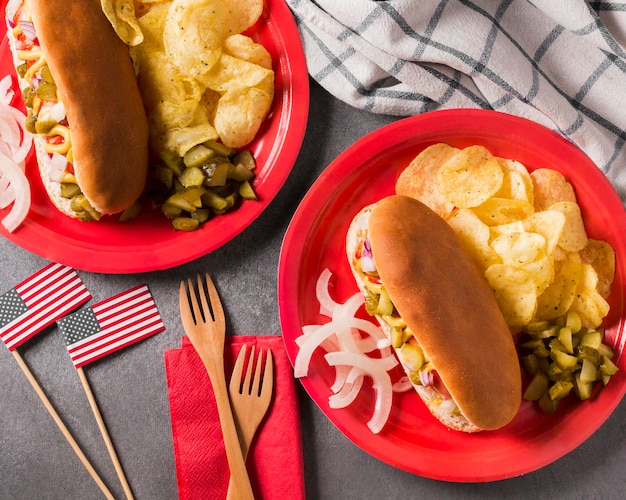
200 78
524 230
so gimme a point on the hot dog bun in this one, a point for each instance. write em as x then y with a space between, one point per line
447 305
96 83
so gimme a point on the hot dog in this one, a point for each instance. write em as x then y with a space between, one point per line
80 89
438 312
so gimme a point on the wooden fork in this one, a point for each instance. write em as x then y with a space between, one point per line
206 328
250 397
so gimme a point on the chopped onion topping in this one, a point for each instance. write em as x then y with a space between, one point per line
355 347
15 143
367 257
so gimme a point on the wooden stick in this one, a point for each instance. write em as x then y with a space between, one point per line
57 419
105 433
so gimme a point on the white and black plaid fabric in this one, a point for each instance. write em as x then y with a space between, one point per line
561 63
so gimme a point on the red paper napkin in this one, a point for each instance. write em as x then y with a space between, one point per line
274 462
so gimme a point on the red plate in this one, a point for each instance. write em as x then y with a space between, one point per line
149 243
413 440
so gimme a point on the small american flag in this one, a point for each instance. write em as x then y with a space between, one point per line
110 325
38 301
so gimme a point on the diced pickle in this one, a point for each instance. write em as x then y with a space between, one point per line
591 339
563 360
201 215
245 158
218 175
84 210
131 212
537 387
69 190
395 334
588 372
573 321
246 191
223 173
547 404
44 126
582 389
530 364
192 177
577 359
607 367
31 123
565 338
413 356
219 148
560 389
385 306
240 173
185 224
214 201
173 161
585 352
198 156
47 91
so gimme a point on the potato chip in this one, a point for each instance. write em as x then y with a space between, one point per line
515 293
559 296
601 256
181 140
243 47
588 303
498 211
233 73
418 180
470 177
510 227
573 237
526 251
240 113
121 15
475 236
550 187
549 224
193 34
516 184
244 13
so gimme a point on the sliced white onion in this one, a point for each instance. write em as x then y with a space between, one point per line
15 144
322 293
347 394
381 382
357 348
21 190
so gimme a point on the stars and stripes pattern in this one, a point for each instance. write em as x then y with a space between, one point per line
110 325
38 301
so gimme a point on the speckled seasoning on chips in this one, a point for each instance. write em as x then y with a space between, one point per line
524 230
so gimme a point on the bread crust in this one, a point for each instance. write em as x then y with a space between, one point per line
440 294
96 82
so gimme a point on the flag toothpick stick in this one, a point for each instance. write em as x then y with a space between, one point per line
104 328
57 419
105 433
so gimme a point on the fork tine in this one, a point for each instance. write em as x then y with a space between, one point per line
203 300
268 377
193 299
235 379
252 387
216 303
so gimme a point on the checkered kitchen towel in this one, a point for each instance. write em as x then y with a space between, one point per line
561 63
